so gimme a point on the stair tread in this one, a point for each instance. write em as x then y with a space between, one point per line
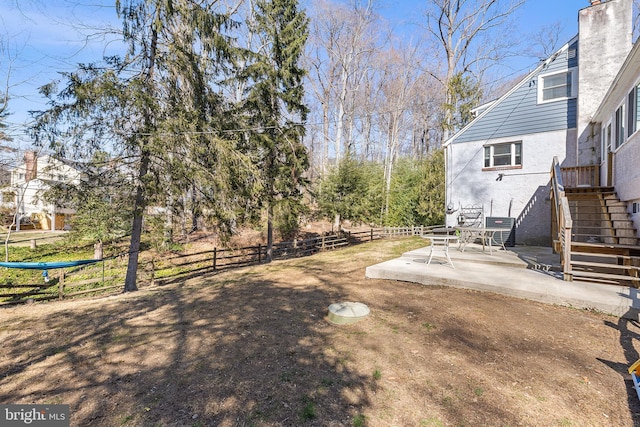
582 273
595 227
606 248
603 265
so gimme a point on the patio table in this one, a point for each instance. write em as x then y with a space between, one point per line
485 234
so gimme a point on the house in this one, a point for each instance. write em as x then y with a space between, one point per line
29 181
617 122
500 162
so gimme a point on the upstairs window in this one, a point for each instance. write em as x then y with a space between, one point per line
556 86
503 155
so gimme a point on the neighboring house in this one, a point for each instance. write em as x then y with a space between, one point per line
500 162
29 181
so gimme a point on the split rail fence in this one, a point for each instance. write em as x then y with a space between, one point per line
176 266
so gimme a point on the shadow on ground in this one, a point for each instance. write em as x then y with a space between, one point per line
228 355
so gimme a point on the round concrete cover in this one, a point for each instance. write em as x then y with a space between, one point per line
343 313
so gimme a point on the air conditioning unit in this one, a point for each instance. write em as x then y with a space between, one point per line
506 237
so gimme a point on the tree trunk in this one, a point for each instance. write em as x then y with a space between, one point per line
136 229
167 237
269 256
97 251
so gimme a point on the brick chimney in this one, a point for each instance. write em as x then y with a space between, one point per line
594 2
30 165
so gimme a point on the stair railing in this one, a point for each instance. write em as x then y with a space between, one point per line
562 219
581 176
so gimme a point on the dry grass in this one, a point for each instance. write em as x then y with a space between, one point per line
252 347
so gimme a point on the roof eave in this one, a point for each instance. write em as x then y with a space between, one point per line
524 80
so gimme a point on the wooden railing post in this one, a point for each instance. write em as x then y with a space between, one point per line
61 285
259 253
567 225
215 258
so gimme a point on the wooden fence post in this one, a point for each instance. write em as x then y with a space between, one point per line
371 238
215 258
322 244
153 272
61 285
259 253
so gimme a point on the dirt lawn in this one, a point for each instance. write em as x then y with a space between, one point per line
252 347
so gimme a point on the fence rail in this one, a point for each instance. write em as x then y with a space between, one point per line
178 265
220 259
65 284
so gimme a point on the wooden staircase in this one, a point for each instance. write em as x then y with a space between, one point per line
604 242
592 229
600 217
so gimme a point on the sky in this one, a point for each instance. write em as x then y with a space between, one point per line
44 37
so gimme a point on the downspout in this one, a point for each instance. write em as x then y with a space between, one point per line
447 183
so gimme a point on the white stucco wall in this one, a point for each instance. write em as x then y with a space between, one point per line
522 193
626 158
605 39
626 175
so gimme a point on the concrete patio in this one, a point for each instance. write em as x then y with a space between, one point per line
528 272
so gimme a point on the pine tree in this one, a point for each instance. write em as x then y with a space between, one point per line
275 105
156 108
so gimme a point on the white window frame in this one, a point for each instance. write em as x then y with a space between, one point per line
491 148
619 124
633 111
607 140
574 85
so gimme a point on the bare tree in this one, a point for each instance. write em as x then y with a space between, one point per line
398 87
546 40
343 41
466 33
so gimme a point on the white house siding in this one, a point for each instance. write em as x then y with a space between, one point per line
522 193
28 193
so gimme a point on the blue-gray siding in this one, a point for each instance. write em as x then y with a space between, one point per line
520 114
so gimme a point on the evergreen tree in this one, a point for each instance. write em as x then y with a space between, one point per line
100 196
275 105
464 95
351 191
417 192
156 108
